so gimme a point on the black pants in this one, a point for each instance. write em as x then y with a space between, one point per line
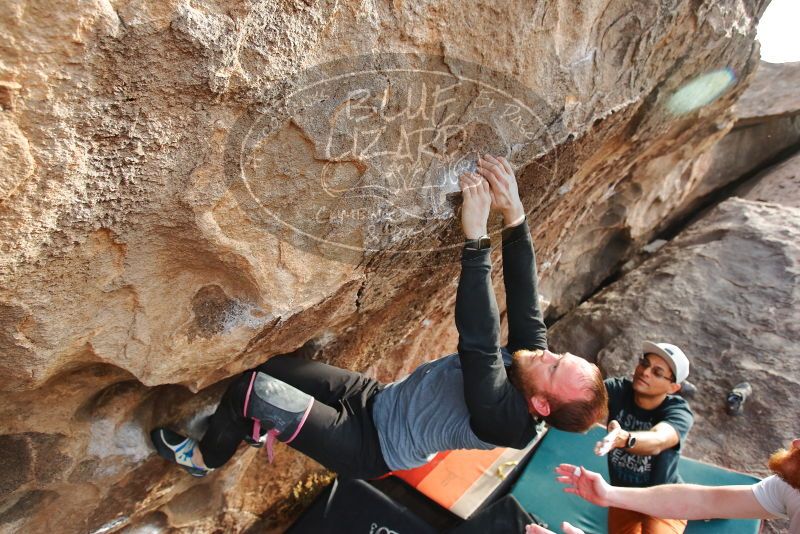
339 432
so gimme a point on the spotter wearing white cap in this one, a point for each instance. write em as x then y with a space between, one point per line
675 358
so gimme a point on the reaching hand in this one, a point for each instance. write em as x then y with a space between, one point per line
610 442
500 175
566 527
586 484
476 205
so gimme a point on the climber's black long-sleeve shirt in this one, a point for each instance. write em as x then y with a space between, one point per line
465 400
498 411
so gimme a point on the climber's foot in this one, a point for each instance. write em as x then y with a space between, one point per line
178 449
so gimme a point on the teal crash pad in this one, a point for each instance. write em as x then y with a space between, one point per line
540 494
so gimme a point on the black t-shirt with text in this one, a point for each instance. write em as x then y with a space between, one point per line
632 470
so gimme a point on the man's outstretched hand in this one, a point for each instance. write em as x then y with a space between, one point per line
566 527
611 440
503 183
584 483
476 205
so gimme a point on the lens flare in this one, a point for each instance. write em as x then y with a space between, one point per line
701 91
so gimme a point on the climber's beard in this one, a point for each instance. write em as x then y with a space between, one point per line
786 464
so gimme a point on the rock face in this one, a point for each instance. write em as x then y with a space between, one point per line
726 291
185 194
779 184
666 189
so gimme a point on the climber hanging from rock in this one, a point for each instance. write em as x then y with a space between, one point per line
481 397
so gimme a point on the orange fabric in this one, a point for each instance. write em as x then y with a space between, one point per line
451 474
453 477
418 474
628 522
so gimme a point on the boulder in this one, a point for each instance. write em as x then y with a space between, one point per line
194 187
772 93
779 184
666 190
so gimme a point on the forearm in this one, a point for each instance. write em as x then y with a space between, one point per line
526 328
477 317
486 384
688 501
648 443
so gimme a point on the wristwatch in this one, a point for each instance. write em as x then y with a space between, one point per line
631 441
479 244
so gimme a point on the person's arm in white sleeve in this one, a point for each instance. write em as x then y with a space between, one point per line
668 501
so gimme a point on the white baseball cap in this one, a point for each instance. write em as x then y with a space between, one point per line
675 358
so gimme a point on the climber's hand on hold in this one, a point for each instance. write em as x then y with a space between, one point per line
476 205
503 183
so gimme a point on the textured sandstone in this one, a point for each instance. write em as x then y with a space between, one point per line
779 184
132 274
772 93
663 190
